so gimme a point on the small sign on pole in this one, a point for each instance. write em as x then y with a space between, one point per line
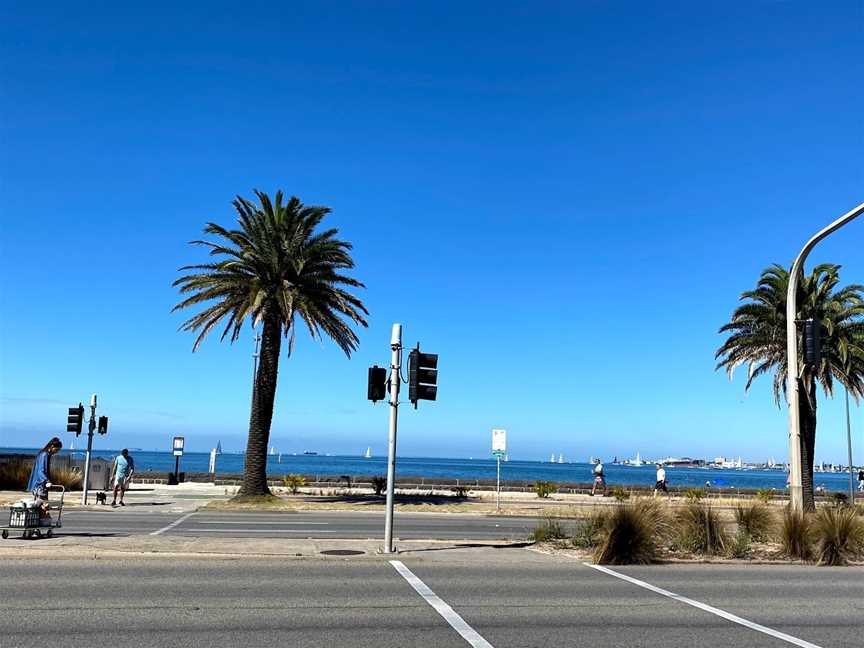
499 449
179 442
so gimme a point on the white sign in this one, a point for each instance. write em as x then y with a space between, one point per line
499 441
178 446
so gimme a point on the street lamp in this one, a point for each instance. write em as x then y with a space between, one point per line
796 485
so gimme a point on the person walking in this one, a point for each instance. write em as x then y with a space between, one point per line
123 469
861 480
599 478
40 475
660 485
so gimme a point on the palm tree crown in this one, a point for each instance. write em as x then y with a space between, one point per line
275 263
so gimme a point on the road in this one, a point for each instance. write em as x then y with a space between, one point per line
505 598
319 524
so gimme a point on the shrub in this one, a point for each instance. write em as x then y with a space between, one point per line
620 494
544 488
694 494
839 499
548 529
755 520
739 546
765 495
70 478
15 475
460 491
796 535
630 534
294 482
838 534
379 484
700 529
589 531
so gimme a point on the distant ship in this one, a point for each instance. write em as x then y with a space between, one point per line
368 453
311 453
560 458
638 461
272 450
506 457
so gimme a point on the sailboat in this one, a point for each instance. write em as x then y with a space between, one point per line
552 458
272 450
638 461
368 453
506 457
218 447
560 458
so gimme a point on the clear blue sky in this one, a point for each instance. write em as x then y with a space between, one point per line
563 200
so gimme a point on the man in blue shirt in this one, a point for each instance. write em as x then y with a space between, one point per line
124 467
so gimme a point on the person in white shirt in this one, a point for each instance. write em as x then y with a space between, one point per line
599 478
661 481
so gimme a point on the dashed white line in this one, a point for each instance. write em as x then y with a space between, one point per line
173 524
468 633
259 522
707 608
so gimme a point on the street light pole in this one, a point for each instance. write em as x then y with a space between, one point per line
849 445
796 485
91 426
395 364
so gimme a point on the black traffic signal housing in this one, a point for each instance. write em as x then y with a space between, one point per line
75 420
422 376
102 427
814 336
377 387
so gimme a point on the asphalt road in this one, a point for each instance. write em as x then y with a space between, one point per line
507 598
324 524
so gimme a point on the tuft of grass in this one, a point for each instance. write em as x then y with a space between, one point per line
379 484
695 494
15 475
548 529
620 494
765 495
700 530
294 482
796 535
739 546
631 534
840 499
755 520
544 488
70 478
838 534
589 531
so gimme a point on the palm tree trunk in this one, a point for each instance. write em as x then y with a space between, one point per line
807 417
263 398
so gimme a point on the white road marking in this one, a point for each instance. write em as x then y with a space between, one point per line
707 608
206 530
173 524
257 522
468 633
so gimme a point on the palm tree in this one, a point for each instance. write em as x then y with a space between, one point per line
757 338
275 270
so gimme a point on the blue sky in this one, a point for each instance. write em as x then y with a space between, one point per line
563 200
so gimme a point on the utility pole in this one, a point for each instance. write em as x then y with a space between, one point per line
849 444
91 427
395 379
796 485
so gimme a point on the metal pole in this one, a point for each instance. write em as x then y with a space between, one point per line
91 426
395 363
177 469
849 443
498 486
796 485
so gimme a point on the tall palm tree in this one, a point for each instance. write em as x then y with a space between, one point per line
274 270
757 338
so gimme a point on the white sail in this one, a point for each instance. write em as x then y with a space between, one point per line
368 453
638 461
560 458
552 458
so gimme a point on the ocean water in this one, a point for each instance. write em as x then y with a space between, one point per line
355 466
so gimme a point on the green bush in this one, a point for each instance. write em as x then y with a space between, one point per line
631 534
700 530
765 495
755 520
739 546
620 494
840 499
589 531
294 482
548 529
544 488
695 494
838 534
379 484
796 535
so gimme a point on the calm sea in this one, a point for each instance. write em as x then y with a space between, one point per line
197 462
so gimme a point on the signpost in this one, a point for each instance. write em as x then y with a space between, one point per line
499 449
178 444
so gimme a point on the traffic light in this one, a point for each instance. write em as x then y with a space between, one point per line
814 333
377 388
75 420
102 428
422 376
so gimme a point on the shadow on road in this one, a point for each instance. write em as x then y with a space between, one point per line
435 500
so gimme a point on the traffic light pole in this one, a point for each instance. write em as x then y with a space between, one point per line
91 427
796 484
395 379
